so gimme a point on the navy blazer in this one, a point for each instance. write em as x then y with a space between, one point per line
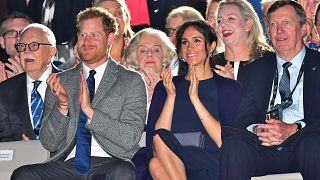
257 83
14 109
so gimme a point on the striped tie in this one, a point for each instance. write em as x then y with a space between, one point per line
36 108
284 86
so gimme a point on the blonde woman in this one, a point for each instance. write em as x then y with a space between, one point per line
147 52
239 28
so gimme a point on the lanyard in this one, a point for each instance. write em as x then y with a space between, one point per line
275 85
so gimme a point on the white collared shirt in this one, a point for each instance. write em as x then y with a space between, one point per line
295 112
41 89
96 150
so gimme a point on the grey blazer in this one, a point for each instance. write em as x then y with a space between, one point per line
119 104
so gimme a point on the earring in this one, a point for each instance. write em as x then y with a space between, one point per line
211 54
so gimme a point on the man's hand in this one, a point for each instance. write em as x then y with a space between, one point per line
25 138
274 132
14 66
84 97
3 74
59 92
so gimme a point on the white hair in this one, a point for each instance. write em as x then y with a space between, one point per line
47 31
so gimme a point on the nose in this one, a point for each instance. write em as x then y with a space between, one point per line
87 40
27 49
279 28
149 53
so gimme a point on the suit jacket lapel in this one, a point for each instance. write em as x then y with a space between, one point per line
266 81
108 78
23 113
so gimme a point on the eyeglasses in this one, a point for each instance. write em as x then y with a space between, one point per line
144 51
11 34
34 46
171 31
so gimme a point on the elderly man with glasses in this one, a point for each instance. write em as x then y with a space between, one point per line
10 29
22 96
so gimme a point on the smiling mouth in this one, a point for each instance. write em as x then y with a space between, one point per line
227 34
192 54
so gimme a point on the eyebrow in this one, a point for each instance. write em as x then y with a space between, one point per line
194 37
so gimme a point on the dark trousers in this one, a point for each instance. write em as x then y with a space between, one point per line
100 169
241 158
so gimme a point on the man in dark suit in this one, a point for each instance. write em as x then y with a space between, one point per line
91 127
280 105
10 29
36 50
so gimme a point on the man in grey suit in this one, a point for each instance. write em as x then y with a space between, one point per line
114 120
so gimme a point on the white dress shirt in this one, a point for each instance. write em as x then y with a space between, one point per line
41 89
295 112
96 150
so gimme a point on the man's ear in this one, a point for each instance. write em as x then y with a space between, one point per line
2 42
305 30
53 51
110 38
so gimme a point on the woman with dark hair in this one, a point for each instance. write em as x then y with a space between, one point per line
187 112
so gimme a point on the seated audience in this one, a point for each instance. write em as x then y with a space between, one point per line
147 52
239 28
22 96
317 23
311 37
175 19
192 106
120 11
211 16
265 4
279 112
10 29
94 113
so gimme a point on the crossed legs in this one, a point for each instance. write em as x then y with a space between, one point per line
165 164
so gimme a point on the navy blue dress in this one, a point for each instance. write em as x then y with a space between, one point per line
220 96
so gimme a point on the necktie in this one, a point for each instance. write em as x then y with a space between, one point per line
284 86
83 149
36 108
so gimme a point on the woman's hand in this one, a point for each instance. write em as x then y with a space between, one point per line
167 82
151 79
194 85
225 71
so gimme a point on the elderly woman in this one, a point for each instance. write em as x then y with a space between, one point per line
191 107
147 52
239 28
120 11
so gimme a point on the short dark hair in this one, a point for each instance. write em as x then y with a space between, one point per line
201 26
302 18
11 16
108 21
